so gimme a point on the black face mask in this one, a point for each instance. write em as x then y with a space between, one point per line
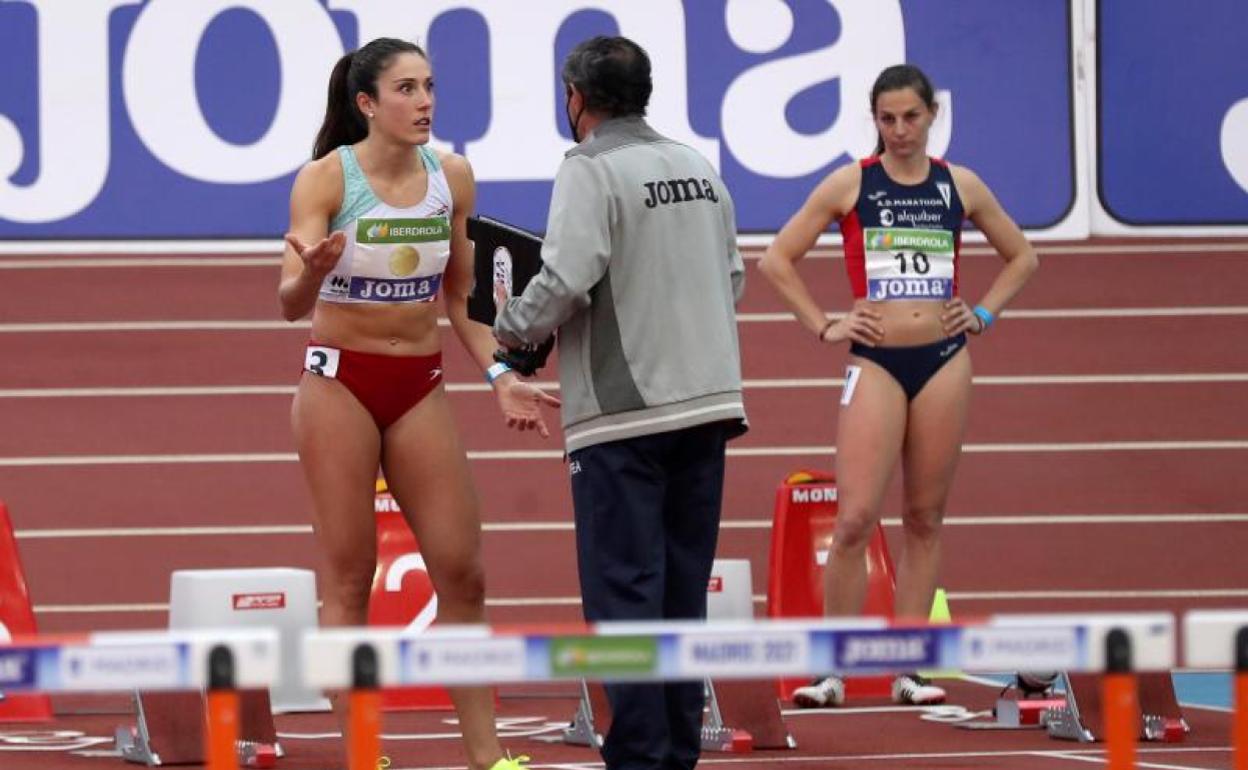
572 121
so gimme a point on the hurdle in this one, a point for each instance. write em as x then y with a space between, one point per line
159 661
364 730
659 651
1218 639
1117 645
732 650
222 737
1082 713
1239 730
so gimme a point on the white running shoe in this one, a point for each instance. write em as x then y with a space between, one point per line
821 693
914 690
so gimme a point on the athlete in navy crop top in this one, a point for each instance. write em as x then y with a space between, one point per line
377 230
908 383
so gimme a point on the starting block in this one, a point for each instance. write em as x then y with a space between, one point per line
170 730
1032 709
170 725
1082 718
402 595
1027 712
1018 714
801 535
16 617
750 705
742 716
739 716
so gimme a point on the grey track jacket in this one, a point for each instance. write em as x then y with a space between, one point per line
641 276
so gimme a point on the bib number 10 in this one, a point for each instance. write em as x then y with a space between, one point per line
916 263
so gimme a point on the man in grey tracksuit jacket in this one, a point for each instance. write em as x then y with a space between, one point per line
641 276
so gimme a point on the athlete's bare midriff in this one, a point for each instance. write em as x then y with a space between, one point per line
389 329
908 322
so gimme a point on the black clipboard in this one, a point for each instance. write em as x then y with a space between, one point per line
513 256
501 252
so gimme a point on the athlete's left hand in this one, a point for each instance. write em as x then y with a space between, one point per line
522 403
957 318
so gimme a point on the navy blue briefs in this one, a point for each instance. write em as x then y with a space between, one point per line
913 366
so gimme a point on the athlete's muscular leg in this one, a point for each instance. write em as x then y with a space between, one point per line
868 439
427 471
933 445
339 446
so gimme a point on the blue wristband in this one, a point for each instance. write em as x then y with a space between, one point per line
496 370
984 315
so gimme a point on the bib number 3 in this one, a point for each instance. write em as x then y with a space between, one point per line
321 361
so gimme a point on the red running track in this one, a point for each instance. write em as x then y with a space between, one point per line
1103 467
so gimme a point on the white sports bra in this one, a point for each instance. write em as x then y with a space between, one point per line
392 254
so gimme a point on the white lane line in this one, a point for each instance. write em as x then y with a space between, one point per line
1046 520
1017 448
1101 761
570 601
78 263
128 532
160 248
52 327
85 609
932 757
1107 446
151 392
153 326
1128 312
1026 380
191 391
211 390
557 454
204 459
1199 311
1094 518
755 251
1209 593
213 253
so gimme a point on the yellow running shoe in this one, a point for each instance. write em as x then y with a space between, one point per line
507 763
383 763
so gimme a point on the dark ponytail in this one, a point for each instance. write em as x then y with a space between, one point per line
356 71
343 123
895 78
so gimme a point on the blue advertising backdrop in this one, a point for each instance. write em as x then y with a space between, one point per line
163 119
146 155
1172 117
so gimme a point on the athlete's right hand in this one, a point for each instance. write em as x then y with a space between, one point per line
862 324
522 404
320 258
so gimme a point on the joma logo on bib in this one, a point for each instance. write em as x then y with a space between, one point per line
383 290
880 289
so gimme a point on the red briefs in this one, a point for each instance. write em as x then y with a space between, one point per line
387 386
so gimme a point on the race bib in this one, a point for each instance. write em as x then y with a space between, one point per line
904 263
321 361
399 260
